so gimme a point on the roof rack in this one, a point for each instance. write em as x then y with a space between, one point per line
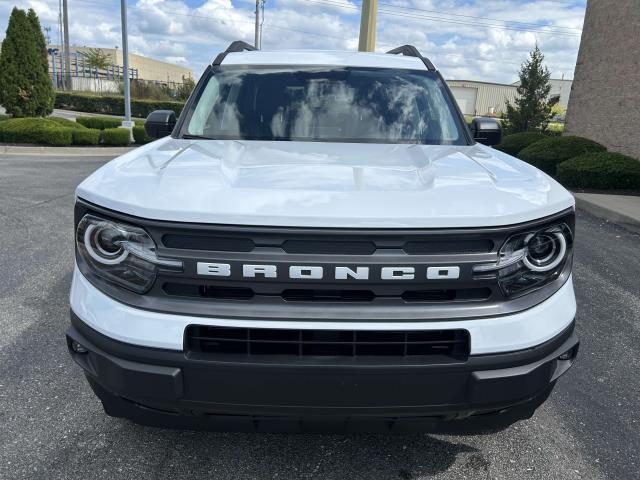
234 47
411 51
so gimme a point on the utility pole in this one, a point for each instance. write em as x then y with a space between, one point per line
367 42
127 123
67 55
259 19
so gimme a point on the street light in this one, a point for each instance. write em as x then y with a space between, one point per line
127 123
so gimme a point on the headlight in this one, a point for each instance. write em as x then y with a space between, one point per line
120 253
530 260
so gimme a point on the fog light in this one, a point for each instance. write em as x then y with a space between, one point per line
76 347
568 355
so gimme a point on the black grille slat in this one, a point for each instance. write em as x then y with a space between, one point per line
316 247
222 341
208 242
318 295
447 295
448 246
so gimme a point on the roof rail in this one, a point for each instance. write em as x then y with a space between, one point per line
234 47
411 51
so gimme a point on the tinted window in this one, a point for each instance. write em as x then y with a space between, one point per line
325 104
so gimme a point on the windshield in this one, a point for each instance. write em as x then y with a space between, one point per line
325 104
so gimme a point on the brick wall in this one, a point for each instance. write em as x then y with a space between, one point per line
605 98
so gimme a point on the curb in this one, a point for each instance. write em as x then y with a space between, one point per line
619 209
64 151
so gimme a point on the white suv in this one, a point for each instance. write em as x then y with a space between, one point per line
321 244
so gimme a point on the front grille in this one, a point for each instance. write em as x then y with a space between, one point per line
341 292
301 294
318 243
439 345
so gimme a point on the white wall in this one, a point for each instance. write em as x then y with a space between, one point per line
88 84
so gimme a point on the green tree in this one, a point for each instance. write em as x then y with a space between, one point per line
96 59
185 88
25 86
530 110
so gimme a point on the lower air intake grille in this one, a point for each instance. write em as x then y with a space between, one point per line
224 341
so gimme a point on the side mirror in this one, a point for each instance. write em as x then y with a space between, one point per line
486 130
160 123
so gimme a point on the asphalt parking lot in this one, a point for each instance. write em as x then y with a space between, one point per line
52 427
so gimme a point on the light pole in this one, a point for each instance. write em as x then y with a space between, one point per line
259 18
66 52
367 42
127 123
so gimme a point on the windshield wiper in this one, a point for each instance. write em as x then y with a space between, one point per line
188 136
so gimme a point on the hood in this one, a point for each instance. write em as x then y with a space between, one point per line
315 184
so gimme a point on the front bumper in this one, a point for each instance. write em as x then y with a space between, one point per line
166 388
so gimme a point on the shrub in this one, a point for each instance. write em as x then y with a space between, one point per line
513 144
601 170
4 117
86 136
57 136
63 122
140 136
112 105
35 130
99 122
548 153
115 136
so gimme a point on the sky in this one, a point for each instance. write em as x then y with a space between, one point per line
483 40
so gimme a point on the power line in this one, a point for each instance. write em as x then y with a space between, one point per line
443 20
480 18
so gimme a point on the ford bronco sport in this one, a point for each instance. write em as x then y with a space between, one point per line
319 242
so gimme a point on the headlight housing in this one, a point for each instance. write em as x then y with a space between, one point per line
120 253
531 259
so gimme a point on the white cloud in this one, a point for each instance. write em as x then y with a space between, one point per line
447 31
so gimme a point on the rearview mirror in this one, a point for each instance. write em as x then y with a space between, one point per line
486 130
160 123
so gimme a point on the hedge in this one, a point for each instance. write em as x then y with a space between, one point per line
115 136
63 122
513 144
112 105
140 136
548 153
99 123
86 136
35 130
601 170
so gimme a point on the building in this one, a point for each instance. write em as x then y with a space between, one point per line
481 98
484 98
142 68
605 99
560 92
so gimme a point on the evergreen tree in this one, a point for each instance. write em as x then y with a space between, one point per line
530 111
25 86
